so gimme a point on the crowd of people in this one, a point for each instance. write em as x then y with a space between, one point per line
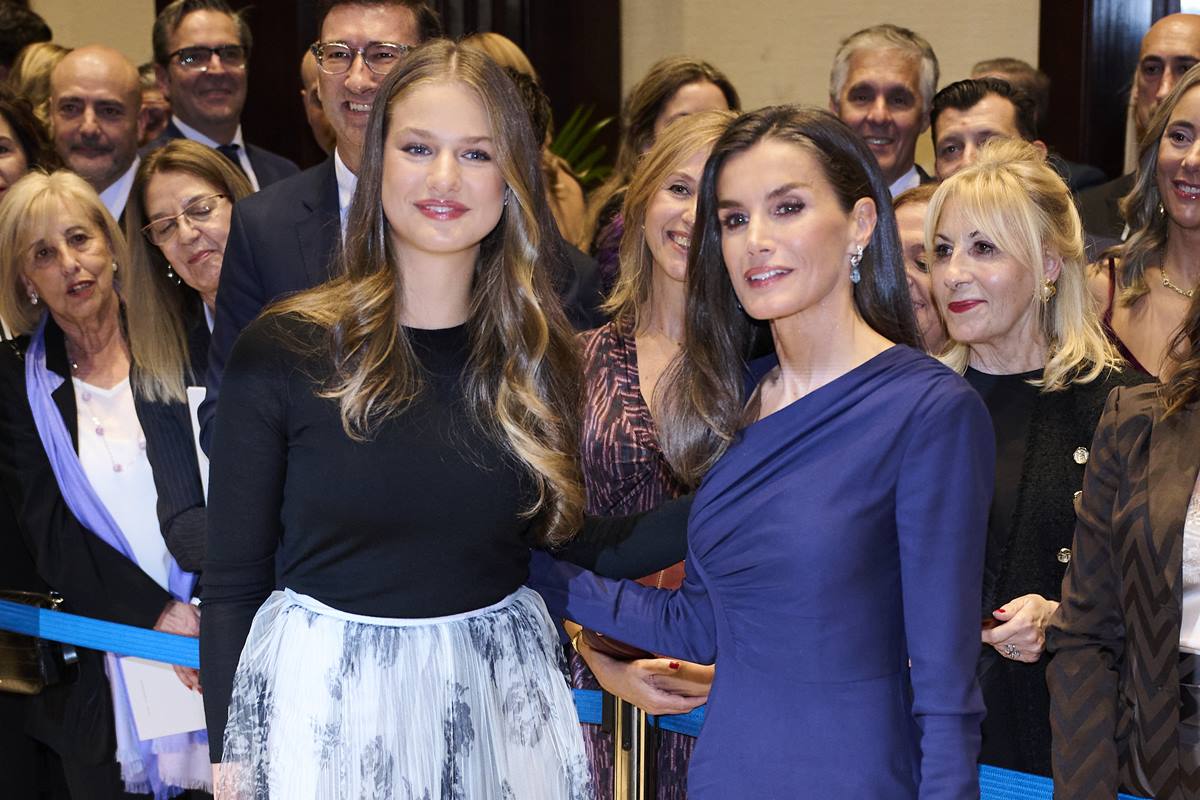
895 472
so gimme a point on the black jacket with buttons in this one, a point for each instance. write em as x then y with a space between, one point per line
1033 560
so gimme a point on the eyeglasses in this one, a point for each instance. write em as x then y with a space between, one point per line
162 230
198 58
334 58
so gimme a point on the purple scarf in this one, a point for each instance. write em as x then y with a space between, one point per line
87 507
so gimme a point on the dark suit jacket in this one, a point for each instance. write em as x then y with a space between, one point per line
1114 679
1099 210
281 240
268 167
284 239
924 176
94 579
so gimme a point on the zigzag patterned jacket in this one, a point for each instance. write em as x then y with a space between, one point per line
1114 679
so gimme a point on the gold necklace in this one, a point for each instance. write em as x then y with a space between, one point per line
1167 283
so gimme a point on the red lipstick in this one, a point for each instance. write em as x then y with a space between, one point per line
962 306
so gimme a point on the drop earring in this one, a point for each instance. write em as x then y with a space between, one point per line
33 297
1048 291
855 260
172 276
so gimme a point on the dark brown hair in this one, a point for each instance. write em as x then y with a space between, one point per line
31 136
642 108
707 404
521 382
429 24
1182 388
171 17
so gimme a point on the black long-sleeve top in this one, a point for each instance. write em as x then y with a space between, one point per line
424 519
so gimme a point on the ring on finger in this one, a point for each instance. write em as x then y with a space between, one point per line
1012 651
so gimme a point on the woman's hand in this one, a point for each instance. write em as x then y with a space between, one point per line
1021 636
655 685
184 620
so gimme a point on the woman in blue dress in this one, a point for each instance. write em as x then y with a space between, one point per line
835 545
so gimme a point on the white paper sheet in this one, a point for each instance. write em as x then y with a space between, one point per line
161 704
195 396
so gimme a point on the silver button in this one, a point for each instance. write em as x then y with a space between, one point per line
1064 556
1081 455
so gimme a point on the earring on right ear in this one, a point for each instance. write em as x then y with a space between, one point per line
33 297
855 260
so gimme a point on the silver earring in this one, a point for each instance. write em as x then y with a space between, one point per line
171 275
33 297
855 260
506 197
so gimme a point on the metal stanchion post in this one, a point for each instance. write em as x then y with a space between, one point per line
633 754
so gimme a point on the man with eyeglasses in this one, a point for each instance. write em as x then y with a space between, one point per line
283 239
200 53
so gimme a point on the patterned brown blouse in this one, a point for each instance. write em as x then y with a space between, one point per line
624 472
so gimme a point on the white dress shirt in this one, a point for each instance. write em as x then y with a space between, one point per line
347 181
117 193
243 156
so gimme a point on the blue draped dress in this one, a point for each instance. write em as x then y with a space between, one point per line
835 556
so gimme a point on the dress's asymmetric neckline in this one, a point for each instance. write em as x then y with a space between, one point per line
843 383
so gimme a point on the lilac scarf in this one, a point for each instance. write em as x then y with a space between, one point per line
140 759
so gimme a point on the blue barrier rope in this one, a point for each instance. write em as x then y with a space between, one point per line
126 640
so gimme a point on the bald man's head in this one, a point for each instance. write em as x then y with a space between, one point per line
1169 49
95 113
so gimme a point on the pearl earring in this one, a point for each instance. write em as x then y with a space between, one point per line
33 297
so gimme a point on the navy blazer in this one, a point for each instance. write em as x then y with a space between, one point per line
268 167
281 240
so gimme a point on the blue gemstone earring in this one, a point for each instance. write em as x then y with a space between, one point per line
855 260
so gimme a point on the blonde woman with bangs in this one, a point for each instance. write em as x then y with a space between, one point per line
92 436
1007 267
388 448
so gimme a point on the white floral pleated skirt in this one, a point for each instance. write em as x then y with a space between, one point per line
329 705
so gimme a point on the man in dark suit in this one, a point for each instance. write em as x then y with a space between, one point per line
1036 84
881 85
200 53
96 120
283 239
1170 48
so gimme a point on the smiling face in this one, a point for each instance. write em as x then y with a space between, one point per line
210 101
881 101
960 134
12 158
442 188
691 98
197 248
347 96
1178 170
95 104
986 296
670 216
910 219
785 238
69 263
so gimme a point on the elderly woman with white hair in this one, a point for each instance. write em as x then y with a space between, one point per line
85 437
1007 267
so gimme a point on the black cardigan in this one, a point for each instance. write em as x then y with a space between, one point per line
1034 559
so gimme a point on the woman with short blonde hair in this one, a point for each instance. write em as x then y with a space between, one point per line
1007 268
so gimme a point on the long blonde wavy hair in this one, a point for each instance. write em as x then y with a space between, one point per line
678 142
1016 199
521 381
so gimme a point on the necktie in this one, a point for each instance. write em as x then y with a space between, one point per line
230 151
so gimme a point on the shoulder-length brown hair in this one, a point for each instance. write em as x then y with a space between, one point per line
522 376
679 142
1182 387
645 102
707 404
159 308
1142 208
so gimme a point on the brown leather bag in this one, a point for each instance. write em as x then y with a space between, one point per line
29 664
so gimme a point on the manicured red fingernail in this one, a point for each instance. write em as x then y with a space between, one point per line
999 611
673 665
